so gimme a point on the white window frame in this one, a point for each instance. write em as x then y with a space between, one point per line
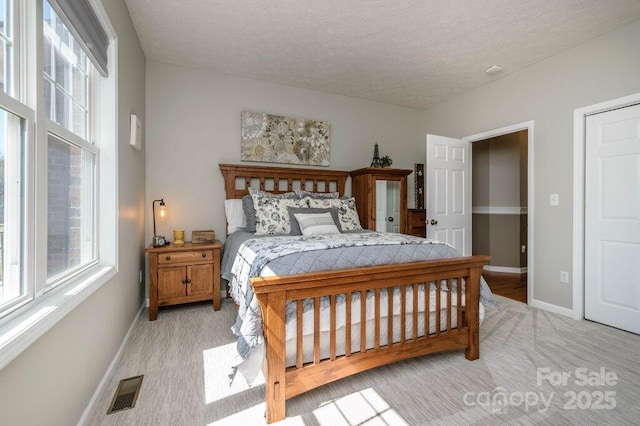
47 306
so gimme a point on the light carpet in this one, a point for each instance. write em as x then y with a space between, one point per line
534 367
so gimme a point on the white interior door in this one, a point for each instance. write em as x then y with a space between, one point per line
612 218
448 190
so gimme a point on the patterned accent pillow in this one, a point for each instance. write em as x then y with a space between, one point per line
250 211
295 226
272 216
347 213
316 223
323 195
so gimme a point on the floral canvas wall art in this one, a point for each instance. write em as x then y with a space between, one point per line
277 139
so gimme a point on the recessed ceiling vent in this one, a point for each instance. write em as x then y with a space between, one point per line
126 394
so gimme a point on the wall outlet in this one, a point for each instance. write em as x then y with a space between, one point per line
564 277
523 248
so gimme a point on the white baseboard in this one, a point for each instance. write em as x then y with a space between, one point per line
551 308
505 269
110 369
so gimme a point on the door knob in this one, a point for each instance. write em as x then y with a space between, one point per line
433 222
390 219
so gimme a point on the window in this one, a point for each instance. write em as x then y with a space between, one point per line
6 46
71 158
57 163
66 78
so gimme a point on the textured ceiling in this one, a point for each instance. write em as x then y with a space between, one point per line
414 53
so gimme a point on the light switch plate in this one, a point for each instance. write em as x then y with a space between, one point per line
554 199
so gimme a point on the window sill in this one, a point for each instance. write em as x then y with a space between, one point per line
28 324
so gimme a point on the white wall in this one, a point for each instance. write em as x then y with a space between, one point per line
193 124
547 92
51 382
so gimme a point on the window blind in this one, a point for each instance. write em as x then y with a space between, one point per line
80 18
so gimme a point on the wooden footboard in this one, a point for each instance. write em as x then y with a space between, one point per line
456 328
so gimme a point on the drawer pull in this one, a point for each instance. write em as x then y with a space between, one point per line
168 258
204 254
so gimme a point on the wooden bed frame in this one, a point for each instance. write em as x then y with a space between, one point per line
274 293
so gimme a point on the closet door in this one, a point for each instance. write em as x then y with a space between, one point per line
612 218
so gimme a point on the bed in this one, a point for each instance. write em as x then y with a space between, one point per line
319 323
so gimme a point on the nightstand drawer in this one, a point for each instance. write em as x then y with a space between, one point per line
182 257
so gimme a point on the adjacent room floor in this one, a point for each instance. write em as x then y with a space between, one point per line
513 286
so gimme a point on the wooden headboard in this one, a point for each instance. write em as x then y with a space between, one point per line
238 178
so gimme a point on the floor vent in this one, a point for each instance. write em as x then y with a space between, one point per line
126 394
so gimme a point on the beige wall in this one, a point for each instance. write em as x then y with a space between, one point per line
548 92
194 124
51 382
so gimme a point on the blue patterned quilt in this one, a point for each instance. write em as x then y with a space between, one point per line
247 255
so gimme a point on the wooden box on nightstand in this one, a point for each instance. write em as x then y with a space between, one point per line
183 274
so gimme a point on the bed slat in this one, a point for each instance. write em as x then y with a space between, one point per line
415 311
427 307
449 310
403 313
363 321
348 321
459 307
299 325
389 316
332 331
316 330
438 307
376 343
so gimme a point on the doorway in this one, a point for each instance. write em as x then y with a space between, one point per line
502 208
499 211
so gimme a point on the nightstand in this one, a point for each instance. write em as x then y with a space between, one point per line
183 274
416 222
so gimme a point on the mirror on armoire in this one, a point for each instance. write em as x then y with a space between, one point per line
388 206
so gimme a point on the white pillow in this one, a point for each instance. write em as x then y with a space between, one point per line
235 215
316 223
